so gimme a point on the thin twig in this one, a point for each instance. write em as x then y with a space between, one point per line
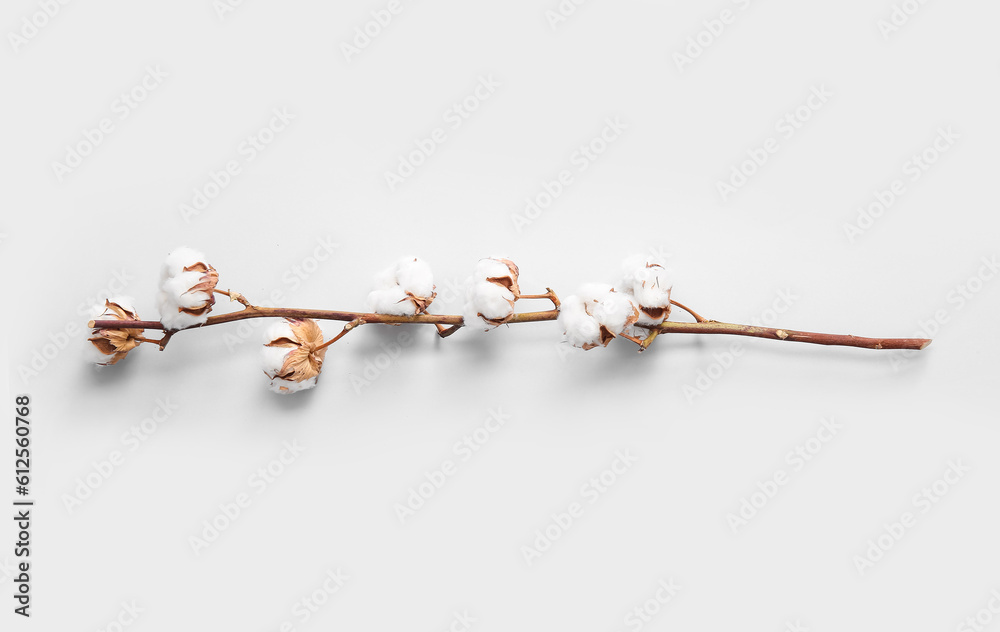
235 296
550 294
348 327
693 313
444 332
648 340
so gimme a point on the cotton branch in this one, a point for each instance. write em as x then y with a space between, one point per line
453 322
638 308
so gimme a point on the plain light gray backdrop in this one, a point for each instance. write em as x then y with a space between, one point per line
870 89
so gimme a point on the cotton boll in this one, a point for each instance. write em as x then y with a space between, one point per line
179 320
488 303
415 276
494 302
471 317
292 355
652 286
630 267
386 279
393 301
500 271
650 316
107 346
591 292
179 290
405 288
187 289
172 316
641 273
410 273
615 311
610 312
488 268
580 327
273 358
93 355
277 330
650 283
106 312
180 258
491 293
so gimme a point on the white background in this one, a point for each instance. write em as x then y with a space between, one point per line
705 435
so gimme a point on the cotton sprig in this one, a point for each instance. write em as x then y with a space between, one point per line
637 309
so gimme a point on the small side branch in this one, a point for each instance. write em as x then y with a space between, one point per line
236 296
444 332
550 294
693 313
348 327
648 340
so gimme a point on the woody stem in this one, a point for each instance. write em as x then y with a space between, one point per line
706 327
790 335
